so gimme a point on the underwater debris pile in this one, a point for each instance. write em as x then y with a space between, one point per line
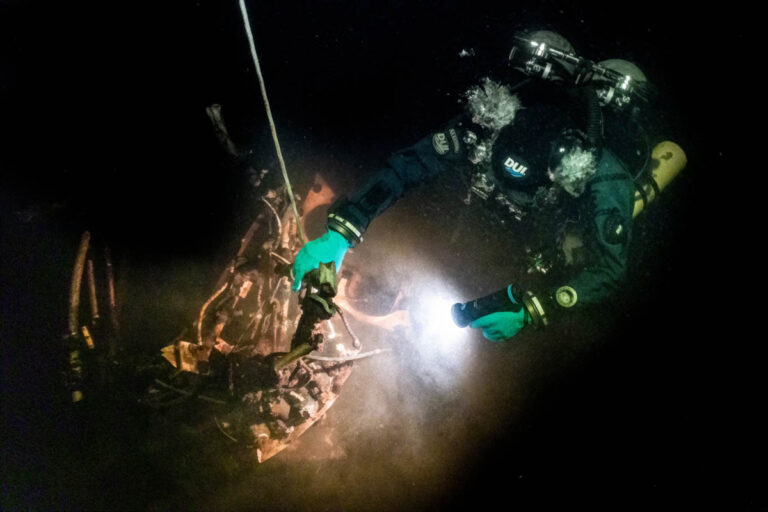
252 337
260 361
273 417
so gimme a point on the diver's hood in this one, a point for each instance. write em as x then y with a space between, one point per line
527 154
521 153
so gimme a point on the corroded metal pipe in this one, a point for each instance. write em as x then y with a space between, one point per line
77 279
75 362
111 291
92 291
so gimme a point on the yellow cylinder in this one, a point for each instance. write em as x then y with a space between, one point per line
668 160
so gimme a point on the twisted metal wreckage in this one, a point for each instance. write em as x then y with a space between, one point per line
240 356
271 381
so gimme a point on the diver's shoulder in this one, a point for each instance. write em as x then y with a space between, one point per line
609 163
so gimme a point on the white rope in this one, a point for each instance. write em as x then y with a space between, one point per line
271 120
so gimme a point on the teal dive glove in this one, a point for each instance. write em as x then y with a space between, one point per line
500 326
329 247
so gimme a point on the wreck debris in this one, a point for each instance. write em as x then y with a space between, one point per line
254 352
77 279
90 342
87 337
75 374
320 195
188 393
272 386
182 355
204 309
113 315
353 357
277 219
220 129
221 429
92 292
243 337
304 390
355 340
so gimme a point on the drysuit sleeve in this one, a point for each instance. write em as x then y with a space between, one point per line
405 169
611 202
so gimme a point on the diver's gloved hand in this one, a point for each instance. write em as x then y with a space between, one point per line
500 326
329 247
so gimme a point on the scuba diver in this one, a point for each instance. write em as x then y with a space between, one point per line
563 138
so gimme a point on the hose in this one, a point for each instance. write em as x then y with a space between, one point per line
594 117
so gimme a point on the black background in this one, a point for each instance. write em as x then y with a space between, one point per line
104 128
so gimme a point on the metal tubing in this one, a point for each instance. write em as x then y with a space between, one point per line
77 279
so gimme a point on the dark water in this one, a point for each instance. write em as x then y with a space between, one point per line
104 129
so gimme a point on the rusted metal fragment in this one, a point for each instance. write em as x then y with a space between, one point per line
77 279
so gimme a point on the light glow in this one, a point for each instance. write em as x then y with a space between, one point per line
439 327
443 349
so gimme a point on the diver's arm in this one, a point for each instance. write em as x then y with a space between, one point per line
403 170
349 218
489 107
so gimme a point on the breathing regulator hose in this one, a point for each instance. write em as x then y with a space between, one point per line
594 117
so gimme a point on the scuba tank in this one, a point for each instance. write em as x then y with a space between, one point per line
668 159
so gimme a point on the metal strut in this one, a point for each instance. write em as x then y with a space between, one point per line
271 120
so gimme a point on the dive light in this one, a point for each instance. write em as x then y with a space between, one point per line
507 299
